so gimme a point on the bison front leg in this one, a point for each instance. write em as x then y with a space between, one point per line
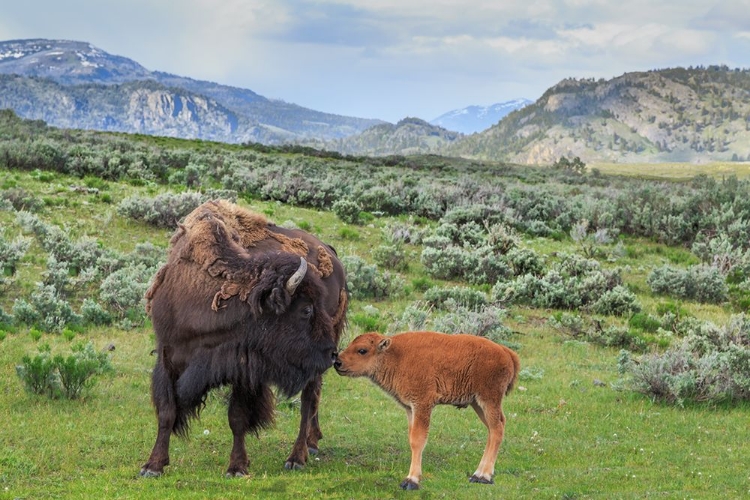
419 426
248 411
309 428
162 396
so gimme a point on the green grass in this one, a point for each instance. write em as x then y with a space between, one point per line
566 436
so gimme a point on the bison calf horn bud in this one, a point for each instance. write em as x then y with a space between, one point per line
297 277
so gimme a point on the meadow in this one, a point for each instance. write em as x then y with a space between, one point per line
575 429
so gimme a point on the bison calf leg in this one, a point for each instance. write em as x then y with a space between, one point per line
309 429
493 418
162 396
419 426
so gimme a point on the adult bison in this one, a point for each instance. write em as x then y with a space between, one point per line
245 303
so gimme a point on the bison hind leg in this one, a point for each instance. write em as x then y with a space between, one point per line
249 411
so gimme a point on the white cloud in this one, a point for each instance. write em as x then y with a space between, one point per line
393 58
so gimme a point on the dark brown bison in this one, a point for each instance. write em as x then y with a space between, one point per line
244 303
424 369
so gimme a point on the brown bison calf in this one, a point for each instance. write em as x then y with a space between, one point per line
424 369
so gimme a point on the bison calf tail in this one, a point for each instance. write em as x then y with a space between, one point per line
516 370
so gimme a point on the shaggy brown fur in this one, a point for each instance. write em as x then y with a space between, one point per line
224 314
424 369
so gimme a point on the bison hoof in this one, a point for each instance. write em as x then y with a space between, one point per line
312 451
292 465
408 484
480 480
145 472
233 474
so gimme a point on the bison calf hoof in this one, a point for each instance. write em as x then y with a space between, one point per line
480 480
408 484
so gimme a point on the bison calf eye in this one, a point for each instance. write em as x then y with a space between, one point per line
362 351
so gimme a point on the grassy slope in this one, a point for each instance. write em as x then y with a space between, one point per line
566 437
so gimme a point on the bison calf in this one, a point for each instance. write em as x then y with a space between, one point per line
424 369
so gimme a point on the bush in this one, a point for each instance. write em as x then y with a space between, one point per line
95 314
572 283
391 257
701 283
75 371
46 310
123 291
166 210
464 297
62 376
11 253
711 364
485 321
347 210
618 301
365 281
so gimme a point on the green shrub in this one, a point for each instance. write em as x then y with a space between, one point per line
701 283
166 210
618 301
76 371
12 252
62 376
573 282
38 373
463 296
95 314
347 233
711 364
485 321
645 322
391 257
422 284
123 290
347 210
366 281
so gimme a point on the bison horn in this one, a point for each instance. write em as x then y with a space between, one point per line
297 277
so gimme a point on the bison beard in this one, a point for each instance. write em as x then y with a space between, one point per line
251 318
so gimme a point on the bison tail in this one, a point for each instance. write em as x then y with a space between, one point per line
516 370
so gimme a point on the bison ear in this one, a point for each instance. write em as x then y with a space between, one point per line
383 344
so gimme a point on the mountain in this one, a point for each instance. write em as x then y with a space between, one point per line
76 85
408 136
669 115
477 118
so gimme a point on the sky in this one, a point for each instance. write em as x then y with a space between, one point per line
389 59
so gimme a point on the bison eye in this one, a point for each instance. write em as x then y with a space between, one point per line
362 351
307 311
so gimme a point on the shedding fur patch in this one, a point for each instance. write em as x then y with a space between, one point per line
158 279
325 265
219 228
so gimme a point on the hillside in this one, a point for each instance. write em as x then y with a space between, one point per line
407 137
670 115
74 84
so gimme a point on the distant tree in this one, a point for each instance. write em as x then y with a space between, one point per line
575 165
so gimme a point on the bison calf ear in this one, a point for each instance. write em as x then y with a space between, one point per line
383 345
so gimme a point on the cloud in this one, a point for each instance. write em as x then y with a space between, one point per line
393 58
